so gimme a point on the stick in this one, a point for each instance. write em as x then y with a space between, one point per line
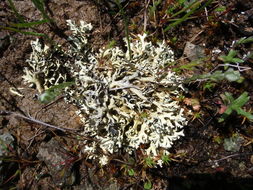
36 121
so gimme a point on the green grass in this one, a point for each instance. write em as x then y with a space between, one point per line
126 23
24 27
190 9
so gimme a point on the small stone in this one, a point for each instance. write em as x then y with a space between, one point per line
234 143
193 52
6 140
59 162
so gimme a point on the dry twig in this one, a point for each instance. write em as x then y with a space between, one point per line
31 119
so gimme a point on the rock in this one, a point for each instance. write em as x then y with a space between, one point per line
6 140
59 162
193 52
234 143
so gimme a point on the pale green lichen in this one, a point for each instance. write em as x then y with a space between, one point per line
45 67
124 103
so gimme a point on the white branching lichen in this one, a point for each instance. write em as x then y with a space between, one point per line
45 67
125 104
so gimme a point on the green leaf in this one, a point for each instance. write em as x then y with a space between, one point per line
47 97
232 53
28 24
228 98
166 159
232 75
245 40
131 172
245 114
230 58
147 185
220 9
60 86
189 66
51 93
209 86
23 32
20 18
149 162
240 101
236 105
39 4
193 7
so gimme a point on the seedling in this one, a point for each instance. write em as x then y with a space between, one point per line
209 86
149 162
51 93
230 58
244 40
190 66
235 105
220 9
147 185
166 159
131 172
231 75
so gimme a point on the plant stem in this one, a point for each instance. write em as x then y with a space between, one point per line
126 27
29 118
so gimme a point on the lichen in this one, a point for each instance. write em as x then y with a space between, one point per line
45 66
125 104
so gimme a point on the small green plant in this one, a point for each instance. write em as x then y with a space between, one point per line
190 9
125 19
166 159
23 26
40 5
235 105
209 86
231 75
18 27
171 9
51 93
147 185
190 66
153 8
131 172
230 58
220 9
148 161
244 40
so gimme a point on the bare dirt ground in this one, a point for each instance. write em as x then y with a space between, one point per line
46 158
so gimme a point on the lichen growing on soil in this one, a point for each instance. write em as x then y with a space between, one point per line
123 103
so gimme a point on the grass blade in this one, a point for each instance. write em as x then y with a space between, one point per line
28 24
23 32
126 27
20 18
195 7
39 4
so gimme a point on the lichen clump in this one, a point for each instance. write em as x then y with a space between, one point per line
125 104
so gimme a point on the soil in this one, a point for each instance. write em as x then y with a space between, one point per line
199 160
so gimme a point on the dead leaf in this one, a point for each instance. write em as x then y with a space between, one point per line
193 102
222 109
